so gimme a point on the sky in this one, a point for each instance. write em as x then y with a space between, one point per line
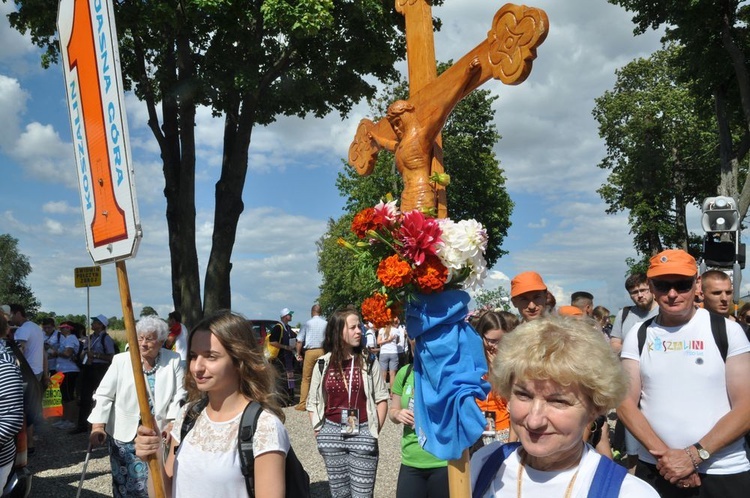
549 151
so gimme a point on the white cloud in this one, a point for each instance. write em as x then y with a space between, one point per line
59 207
542 224
53 227
12 105
45 156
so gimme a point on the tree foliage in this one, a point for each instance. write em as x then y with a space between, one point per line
477 190
493 299
714 37
14 268
661 150
249 61
148 311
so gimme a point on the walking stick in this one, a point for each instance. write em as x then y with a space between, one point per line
83 474
154 465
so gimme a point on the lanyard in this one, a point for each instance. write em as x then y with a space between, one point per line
349 384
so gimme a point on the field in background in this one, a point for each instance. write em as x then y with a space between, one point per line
120 336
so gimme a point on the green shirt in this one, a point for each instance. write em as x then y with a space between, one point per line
412 454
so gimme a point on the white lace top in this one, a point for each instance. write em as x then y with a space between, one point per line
207 463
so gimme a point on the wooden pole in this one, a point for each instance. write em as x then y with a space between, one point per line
459 485
154 465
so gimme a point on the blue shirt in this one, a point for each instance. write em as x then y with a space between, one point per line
313 332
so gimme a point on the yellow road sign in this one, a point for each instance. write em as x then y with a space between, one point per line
88 276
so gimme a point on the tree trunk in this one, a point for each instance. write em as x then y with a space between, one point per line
743 82
238 126
729 164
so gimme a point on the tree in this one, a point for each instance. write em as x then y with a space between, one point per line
14 268
493 299
661 150
713 35
148 311
249 61
477 190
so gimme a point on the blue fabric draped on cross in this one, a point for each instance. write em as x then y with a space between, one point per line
449 364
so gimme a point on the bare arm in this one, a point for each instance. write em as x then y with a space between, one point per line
269 475
616 344
737 422
382 411
629 413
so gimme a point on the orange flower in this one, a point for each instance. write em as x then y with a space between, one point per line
394 272
375 309
431 275
363 222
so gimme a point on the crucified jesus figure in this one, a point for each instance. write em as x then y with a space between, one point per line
411 127
415 139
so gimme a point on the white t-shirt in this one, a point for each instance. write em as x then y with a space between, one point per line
370 339
683 386
181 345
210 452
54 341
390 347
66 365
539 484
33 336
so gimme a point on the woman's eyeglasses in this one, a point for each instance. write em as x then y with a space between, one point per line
678 285
491 342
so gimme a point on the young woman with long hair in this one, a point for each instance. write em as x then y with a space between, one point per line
227 368
347 402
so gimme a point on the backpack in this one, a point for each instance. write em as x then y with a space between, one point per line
115 346
272 352
606 484
296 478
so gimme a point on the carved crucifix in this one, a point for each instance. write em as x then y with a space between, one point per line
411 128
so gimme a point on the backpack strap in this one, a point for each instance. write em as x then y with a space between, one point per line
642 334
625 312
491 466
719 331
245 444
191 414
409 368
607 479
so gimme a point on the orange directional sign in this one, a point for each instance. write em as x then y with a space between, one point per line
91 66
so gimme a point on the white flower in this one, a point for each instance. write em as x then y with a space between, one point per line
462 247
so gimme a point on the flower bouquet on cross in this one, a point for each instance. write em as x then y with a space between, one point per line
422 265
414 253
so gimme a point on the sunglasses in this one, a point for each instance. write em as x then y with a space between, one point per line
747 318
677 285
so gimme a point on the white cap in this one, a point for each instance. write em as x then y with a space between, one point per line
284 312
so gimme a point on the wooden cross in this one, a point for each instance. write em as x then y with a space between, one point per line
411 128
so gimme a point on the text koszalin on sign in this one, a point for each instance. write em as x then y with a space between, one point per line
91 65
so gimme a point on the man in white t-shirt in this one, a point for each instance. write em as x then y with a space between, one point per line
30 339
688 407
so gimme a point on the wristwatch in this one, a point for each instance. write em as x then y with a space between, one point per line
702 452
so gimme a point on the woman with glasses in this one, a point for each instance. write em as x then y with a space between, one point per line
492 327
116 413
